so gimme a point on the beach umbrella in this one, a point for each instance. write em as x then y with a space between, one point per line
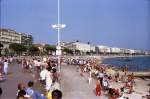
110 71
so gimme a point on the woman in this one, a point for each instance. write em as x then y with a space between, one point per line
24 65
21 86
5 67
98 88
49 79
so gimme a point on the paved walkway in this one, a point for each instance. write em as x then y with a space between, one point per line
75 86
10 85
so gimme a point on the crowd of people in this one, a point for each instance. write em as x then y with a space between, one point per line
104 77
44 72
28 92
4 69
4 66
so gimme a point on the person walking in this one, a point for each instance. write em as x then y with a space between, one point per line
90 78
24 65
33 93
5 67
98 88
49 79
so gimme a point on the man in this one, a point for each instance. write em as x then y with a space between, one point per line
43 75
56 94
101 76
105 84
90 78
34 94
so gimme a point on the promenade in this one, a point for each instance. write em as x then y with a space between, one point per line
12 80
73 85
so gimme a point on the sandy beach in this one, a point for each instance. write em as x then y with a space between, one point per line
142 79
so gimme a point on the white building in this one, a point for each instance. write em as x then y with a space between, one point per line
103 49
93 49
115 50
83 47
8 36
131 51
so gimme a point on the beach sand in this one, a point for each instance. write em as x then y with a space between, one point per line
140 89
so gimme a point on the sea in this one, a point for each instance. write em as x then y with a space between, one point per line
141 63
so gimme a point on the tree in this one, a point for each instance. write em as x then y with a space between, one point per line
77 40
6 50
88 53
77 51
18 48
33 50
1 46
67 51
50 48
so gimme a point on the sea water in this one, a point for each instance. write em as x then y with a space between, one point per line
133 63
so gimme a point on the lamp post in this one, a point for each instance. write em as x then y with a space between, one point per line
58 26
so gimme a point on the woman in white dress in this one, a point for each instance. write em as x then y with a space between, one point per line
49 79
5 67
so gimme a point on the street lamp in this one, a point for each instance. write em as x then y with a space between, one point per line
58 26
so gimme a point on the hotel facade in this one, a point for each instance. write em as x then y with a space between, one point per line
98 49
8 36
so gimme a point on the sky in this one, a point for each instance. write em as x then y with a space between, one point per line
114 23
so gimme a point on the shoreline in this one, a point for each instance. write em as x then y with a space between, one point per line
118 56
136 73
101 58
145 74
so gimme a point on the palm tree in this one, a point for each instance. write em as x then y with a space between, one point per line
77 40
77 52
68 51
17 48
33 50
50 48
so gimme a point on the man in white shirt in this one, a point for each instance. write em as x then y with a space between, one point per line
43 75
101 76
105 84
35 62
44 59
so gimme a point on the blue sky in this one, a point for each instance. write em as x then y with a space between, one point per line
115 23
